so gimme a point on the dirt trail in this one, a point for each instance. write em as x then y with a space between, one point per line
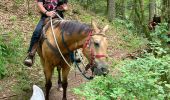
73 81
11 21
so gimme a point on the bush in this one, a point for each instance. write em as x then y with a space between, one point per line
8 51
141 79
2 61
158 45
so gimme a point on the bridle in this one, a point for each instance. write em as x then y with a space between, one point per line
85 45
93 56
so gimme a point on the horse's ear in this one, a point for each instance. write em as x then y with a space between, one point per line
96 29
105 28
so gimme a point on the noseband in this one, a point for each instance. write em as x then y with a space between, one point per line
93 56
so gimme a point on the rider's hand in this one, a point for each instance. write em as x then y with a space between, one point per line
62 7
50 13
65 7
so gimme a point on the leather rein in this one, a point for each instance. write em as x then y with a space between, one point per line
85 45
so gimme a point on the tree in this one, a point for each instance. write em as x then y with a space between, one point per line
151 9
111 10
168 7
166 11
120 9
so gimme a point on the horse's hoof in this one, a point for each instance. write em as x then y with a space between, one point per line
60 89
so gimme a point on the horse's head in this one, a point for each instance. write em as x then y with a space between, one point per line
95 50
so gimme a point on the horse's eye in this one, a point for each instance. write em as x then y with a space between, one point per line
96 44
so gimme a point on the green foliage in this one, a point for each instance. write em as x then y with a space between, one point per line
13 18
159 37
160 32
140 79
127 32
2 68
127 24
97 6
2 60
8 51
19 2
23 80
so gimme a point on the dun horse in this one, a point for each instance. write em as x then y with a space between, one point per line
71 35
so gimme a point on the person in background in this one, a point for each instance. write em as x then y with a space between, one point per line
156 20
48 8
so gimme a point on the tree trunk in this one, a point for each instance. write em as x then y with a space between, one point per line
142 20
168 8
28 7
120 9
151 9
123 9
111 10
107 9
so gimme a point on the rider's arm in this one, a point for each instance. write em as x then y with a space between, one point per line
41 7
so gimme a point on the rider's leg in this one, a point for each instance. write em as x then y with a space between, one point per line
34 43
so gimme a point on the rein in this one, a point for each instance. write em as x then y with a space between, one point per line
55 39
87 44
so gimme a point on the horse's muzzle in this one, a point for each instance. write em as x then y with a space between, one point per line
101 68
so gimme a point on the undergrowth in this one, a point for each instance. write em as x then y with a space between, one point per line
8 51
146 78
131 40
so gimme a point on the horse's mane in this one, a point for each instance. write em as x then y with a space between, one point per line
68 26
71 27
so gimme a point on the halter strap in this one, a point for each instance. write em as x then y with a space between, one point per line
92 54
100 55
87 40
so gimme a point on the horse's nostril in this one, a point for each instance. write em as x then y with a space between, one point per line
105 71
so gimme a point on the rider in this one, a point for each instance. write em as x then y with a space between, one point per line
156 20
48 8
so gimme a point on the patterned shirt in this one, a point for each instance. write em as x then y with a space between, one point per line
52 4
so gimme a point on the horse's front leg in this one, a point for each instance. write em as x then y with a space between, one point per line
65 71
59 79
48 74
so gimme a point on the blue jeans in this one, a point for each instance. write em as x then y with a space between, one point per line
37 32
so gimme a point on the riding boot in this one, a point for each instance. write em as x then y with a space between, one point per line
29 60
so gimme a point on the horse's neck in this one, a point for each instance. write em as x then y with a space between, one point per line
81 43
78 44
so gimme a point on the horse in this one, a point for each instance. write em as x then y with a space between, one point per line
71 35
